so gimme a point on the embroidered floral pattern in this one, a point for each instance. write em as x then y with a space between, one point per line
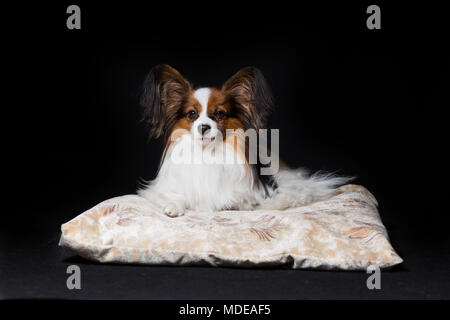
344 232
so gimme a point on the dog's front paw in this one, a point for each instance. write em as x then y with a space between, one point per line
173 211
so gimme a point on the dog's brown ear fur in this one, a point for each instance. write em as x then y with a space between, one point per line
249 93
163 93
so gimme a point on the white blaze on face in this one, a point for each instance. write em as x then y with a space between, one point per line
202 95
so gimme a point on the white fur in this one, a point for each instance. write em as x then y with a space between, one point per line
296 188
209 186
218 184
202 95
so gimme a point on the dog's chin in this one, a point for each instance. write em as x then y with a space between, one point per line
206 140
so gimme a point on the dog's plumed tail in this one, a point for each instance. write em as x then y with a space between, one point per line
295 188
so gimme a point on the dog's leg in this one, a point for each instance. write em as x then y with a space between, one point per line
174 209
170 202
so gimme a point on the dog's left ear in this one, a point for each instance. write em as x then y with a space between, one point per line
248 91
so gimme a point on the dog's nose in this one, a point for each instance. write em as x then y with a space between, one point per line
203 128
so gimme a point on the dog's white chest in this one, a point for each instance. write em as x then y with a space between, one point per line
208 183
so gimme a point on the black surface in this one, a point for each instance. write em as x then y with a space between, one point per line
39 271
370 104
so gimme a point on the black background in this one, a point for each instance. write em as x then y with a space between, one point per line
365 103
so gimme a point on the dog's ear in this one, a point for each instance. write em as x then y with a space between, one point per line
249 93
162 95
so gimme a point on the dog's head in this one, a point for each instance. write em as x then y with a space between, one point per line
172 104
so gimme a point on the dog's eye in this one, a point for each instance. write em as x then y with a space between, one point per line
219 114
192 114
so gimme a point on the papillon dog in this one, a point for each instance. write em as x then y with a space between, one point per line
209 142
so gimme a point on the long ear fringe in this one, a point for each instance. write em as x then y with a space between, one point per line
264 102
150 102
162 93
249 92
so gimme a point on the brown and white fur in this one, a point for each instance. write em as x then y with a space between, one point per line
198 119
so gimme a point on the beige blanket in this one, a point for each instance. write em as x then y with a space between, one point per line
344 232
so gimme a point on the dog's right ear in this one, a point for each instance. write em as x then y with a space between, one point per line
162 95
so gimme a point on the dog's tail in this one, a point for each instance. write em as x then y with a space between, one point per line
295 188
